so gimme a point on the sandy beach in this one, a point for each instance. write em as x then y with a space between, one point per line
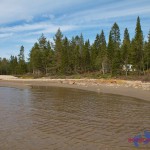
135 89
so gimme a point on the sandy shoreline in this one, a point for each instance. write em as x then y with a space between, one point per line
134 89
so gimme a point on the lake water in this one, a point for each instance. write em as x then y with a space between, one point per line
50 118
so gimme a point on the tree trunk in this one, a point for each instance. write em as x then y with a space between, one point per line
103 69
126 70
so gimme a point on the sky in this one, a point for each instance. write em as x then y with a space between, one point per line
23 21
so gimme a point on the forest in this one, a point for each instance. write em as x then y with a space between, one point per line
78 56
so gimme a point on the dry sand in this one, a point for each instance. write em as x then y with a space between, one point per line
135 89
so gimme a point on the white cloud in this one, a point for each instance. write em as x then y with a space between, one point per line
49 16
29 40
24 27
53 29
34 29
26 10
15 10
5 35
107 12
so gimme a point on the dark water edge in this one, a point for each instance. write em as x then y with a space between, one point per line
61 118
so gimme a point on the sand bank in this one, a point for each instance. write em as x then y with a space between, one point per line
135 89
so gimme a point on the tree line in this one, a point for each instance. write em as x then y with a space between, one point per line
77 56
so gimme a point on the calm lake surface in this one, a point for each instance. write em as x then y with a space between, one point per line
50 118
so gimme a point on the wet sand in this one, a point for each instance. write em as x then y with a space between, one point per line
126 88
53 118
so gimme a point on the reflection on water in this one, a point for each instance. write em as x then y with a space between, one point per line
69 119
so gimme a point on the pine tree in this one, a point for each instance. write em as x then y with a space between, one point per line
103 52
115 34
21 61
4 66
81 43
42 42
71 58
77 60
65 56
36 59
138 47
86 56
45 50
74 55
126 50
110 54
147 53
50 54
94 53
21 54
13 65
58 49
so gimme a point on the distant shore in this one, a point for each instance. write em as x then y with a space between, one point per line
136 89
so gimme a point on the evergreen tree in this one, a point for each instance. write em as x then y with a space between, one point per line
21 62
115 33
13 65
58 49
126 50
50 54
4 66
86 56
103 52
74 55
42 42
45 50
147 53
110 53
81 43
138 47
94 53
77 60
36 59
65 56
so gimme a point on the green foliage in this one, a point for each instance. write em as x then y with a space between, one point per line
126 50
94 53
110 50
77 56
21 62
4 66
13 65
41 56
147 53
102 60
138 53
58 49
65 56
115 39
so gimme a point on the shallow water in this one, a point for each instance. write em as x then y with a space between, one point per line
49 118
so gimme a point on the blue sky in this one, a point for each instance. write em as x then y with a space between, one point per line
23 21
